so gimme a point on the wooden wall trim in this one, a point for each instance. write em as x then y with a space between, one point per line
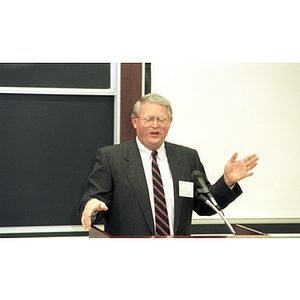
131 91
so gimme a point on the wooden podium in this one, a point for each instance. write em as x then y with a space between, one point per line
241 232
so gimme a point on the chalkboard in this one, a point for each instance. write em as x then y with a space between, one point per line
47 149
56 75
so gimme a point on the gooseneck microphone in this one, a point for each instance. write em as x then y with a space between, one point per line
198 179
205 195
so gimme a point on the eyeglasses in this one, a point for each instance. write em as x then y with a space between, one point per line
161 120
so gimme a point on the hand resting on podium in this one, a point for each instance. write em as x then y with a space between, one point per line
91 207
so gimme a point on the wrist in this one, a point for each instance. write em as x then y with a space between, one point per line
228 182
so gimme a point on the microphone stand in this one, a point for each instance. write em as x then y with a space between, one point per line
205 200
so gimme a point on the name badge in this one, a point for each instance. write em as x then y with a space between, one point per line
186 189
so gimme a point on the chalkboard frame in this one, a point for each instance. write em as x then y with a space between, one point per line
115 98
112 90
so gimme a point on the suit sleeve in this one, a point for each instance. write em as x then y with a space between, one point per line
99 184
220 191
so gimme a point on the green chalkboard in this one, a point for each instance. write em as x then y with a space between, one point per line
56 75
48 145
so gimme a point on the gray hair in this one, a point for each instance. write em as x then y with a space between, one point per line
154 98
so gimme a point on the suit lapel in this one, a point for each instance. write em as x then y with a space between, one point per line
134 171
176 168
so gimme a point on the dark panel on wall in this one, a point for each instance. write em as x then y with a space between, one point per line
47 149
56 75
148 78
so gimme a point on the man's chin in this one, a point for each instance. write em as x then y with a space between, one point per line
154 143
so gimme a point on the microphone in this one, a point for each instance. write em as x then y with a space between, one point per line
198 179
208 198
205 200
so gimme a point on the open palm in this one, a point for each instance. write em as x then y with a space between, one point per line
236 170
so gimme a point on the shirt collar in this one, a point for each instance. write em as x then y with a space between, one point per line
161 152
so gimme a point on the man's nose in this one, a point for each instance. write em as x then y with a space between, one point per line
155 122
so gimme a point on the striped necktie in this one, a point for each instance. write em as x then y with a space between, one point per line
161 212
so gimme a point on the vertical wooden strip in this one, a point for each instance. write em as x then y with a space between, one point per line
131 91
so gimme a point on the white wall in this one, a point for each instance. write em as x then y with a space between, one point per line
248 108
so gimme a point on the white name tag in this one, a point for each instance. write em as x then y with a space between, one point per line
186 189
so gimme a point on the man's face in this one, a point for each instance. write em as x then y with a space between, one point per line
152 135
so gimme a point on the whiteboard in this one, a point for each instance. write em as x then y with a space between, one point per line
244 107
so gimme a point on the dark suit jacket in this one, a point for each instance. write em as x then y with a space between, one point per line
118 179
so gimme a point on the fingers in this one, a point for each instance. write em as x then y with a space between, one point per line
102 206
233 157
236 170
91 207
86 219
251 161
251 157
86 222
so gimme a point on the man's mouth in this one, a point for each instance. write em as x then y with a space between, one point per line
154 133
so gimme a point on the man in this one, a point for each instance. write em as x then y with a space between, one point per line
120 188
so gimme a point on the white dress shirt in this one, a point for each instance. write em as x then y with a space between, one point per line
166 176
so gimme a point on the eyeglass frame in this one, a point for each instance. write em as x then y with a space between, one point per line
151 121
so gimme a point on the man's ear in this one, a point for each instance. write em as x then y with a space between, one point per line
133 120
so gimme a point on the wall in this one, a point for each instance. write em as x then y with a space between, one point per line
248 108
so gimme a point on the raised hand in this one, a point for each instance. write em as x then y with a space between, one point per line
236 170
